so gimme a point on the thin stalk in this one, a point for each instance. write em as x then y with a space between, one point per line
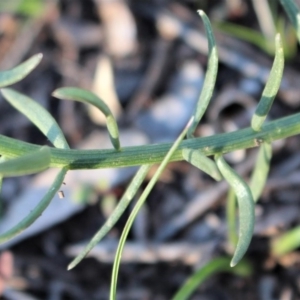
154 153
217 265
137 207
127 197
265 18
37 211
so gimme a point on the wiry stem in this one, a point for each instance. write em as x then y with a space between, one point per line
154 153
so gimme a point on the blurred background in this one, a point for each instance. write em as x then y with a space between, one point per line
147 60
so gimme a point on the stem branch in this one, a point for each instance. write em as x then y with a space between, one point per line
154 153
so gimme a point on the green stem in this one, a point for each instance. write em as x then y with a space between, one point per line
154 153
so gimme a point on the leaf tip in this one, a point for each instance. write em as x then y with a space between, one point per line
190 122
55 93
201 12
233 263
278 41
39 56
71 266
3 90
256 123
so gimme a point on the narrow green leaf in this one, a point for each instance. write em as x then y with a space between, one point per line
257 183
287 242
18 73
247 34
27 164
2 159
115 216
271 88
231 217
215 266
246 207
202 162
136 209
292 10
37 211
38 115
261 170
210 77
76 94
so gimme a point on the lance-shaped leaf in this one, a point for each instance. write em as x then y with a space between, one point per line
231 218
21 71
257 183
293 13
31 163
37 211
246 207
38 115
130 192
210 77
215 266
137 208
261 170
77 94
200 161
271 88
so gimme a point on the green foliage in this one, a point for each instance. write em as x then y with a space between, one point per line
127 197
84 96
39 116
286 242
31 163
37 211
261 170
269 21
270 89
137 208
231 218
20 158
217 265
31 8
199 160
293 13
256 185
18 73
259 40
246 208
210 77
